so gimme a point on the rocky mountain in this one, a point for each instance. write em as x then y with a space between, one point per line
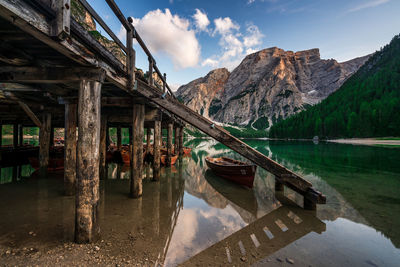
267 86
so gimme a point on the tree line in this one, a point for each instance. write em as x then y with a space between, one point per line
366 105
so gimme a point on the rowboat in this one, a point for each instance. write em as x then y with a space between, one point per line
233 170
187 150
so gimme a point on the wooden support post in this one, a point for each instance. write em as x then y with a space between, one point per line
15 135
165 83
148 141
278 186
103 147
20 134
119 138
150 78
156 151
52 136
309 205
44 144
137 151
131 57
181 134
61 25
169 143
177 140
70 149
87 195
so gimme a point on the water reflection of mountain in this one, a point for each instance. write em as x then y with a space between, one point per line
364 177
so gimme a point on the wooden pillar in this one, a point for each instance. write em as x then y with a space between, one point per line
177 140
119 138
309 205
87 195
150 78
52 137
148 141
20 134
44 144
15 135
103 147
137 151
157 152
70 149
169 143
181 134
278 186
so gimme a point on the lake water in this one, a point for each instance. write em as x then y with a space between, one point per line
192 217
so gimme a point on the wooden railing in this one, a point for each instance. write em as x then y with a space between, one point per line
131 34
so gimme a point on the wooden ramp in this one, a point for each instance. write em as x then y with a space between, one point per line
260 239
66 53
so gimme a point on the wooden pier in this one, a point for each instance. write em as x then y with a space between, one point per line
55 74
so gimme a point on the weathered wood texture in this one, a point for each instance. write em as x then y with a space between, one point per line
177 130
181 134
169 142
87 195
20 134
15 135
70 149
119 138
148 140
44 144
103 147
157 151
150 78
137 151
61 25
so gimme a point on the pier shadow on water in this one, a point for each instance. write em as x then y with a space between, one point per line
192 217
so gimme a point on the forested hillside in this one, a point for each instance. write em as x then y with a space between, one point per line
366 105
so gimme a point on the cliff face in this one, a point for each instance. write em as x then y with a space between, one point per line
268 85
200 94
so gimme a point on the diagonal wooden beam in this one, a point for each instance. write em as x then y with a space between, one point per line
25 107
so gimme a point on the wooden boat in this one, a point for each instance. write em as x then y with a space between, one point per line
233 170
164 159
55 164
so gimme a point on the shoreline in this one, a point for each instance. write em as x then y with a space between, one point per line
366 141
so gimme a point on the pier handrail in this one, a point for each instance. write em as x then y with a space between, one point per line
131 33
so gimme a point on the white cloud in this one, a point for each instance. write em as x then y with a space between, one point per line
373 3
201 20
235 45
225 25
171 34
210 62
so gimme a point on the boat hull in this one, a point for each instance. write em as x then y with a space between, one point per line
240 174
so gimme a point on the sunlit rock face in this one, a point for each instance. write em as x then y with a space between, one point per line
267 86
204 92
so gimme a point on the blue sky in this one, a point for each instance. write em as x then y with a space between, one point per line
189 38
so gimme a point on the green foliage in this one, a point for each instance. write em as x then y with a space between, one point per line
367 104
261 124
246 132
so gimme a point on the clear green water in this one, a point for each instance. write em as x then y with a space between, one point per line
192 217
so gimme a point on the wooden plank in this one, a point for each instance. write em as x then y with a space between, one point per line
150 78
87 195
30 114
157 151
70 149
136 189
114 7
49 75
169 142
131 57
148 140
44 144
